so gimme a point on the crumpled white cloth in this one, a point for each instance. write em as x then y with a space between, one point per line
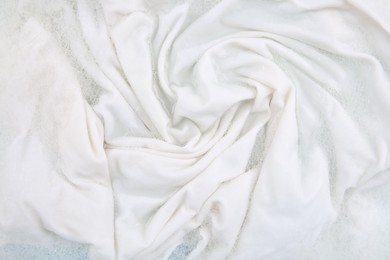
233 129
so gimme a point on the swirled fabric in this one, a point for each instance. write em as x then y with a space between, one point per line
194 129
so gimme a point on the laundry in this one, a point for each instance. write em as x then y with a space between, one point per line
194 129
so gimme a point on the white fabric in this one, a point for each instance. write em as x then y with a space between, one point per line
233 129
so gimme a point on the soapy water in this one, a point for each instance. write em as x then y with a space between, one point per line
59 251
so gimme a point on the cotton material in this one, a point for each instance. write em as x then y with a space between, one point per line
233 129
